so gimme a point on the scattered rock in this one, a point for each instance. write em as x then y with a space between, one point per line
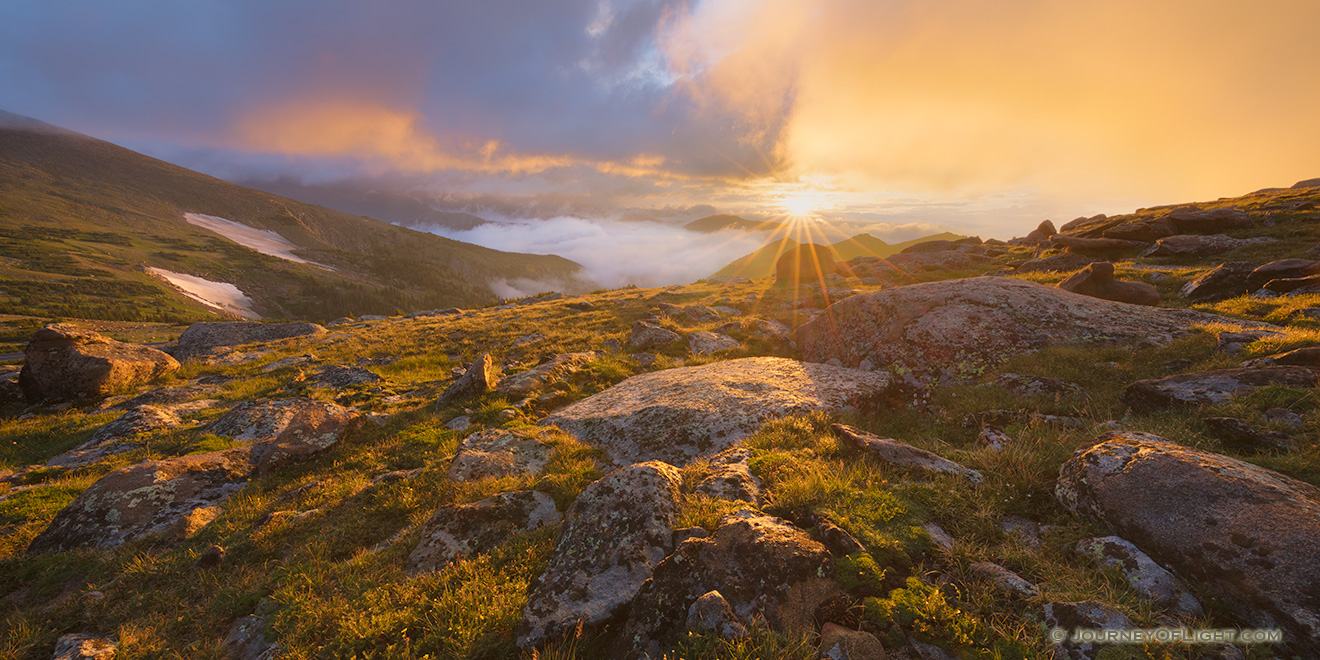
1233 342
498 453
116 436
707 343
1225 281
1087 614
837 539
343 376
707 408
1294 285
460 423
1284 416
210 557
1097 280
1246 535
63 362
647 335
431 313
1025 530
84 647
1031 385
201 339
295 361
526 383
839 643
939 537
730 478
285 431
1281 269
1245 438
1098 247
247 640
479 379
956 327
763 566
1059 263
1004 581
1190 245
613 535
904 455
712 614
461 530
1211 221
1145 576
1144 230
1211 387
993 438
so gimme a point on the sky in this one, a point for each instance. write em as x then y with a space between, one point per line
899 117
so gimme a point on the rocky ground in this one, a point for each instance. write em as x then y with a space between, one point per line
943 454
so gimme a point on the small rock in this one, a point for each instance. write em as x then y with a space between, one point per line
554 370
898 453
730 478
837 539
461 530
1026 531
993 438
342 376
1004 580
460 423
707 343
84 647
1087 614
711 613
498 453
247 640
1233 342
1244 437
1097 280
211 557
582 305
1284 416
647 335
939 537
397 476
839 643
612 345
1025 385
1145 576
479 379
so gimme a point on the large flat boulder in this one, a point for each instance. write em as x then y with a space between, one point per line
612 537
285 431
63 362
955 327
763 566
677 415
1248 535
200 339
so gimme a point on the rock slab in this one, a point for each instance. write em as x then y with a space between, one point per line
200 339
1212 387
677 415
460 530
1248 535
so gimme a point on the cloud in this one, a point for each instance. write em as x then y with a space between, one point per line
615 253
1182 99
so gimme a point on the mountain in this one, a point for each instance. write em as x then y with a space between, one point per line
713 223
89 229
392 207
761 263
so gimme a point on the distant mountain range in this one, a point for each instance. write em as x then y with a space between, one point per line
85 223
761 263
713 223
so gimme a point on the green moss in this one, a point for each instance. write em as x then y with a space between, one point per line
859 575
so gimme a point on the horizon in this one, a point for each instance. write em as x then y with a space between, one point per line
896 120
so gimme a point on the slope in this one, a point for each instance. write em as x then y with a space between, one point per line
761 263
81 219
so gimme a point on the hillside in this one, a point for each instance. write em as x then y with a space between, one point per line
761 263
718 222
965 467
391 207
81 220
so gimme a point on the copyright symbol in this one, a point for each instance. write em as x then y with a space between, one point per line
1058 635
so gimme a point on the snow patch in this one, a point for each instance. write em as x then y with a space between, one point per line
220 295
263 241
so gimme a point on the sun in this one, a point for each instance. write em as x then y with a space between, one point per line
799 205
